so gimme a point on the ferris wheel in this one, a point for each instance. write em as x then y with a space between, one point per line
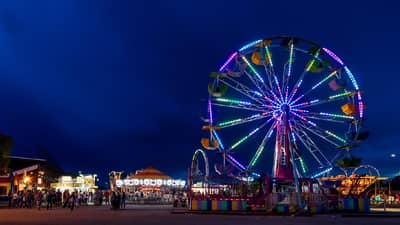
287 100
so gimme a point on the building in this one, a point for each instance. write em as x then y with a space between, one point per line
25 173
80 183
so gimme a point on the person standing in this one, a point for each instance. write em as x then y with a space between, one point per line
107 197
123 198
39 199
10 197
49 200
72 199
58 198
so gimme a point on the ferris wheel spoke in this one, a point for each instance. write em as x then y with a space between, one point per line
269 67
250 108
241 140
260 148
257 79
288 71
336 118
294 145
311 146
315 86
272 78
300 80
234 162
269 73
315 129
322 133
243 89
277 100
238 121
332 98
220 144
274 83
237 104
324 119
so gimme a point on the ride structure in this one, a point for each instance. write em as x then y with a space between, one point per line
287 100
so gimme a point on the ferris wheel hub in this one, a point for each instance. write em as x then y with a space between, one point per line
285 108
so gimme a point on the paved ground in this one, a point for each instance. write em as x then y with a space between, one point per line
157 215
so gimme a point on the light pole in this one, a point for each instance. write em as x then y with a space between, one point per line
396 156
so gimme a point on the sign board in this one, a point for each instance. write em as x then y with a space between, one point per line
25 170
150 182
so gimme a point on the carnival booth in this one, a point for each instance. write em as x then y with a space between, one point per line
148 184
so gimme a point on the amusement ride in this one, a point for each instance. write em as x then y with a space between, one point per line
286 100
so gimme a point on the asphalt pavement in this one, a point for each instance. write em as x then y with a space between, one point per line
157 215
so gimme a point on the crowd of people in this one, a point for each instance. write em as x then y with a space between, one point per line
67 199
118 200
50 199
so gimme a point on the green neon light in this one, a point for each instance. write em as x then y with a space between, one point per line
335 136
232 101
312 61
337 115
244 138
268 55
256 156
303 165
252 69
229 122
325 79
340 95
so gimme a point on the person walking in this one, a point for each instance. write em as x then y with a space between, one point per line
66 197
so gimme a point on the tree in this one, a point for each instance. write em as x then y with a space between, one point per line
51 164
395 183
6 145
349 162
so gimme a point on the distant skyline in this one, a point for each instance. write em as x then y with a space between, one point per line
118 85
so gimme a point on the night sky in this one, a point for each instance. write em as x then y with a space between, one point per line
118 85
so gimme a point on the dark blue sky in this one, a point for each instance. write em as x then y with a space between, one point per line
115 84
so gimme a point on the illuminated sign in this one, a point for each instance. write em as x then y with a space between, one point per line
150 182
66 179
24 170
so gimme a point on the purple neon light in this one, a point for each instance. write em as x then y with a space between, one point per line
297 99
210 111
360 104
279 88
333 56
236 162
276 97
286 93
301 117
228 61
270 100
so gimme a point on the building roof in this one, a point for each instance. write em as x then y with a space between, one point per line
17 162
149 173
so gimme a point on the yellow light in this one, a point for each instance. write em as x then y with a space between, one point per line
27 179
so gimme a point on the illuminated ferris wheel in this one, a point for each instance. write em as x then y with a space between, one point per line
286 100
